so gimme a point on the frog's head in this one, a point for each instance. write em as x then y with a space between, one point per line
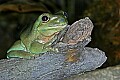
48 24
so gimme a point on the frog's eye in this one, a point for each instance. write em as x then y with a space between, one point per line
45 18
65 14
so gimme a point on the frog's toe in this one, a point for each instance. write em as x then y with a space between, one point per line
56 50
34 56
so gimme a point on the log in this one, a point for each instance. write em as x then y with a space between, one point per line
50 66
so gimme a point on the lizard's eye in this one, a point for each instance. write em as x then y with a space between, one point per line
45 18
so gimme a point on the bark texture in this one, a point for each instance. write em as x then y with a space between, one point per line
50 66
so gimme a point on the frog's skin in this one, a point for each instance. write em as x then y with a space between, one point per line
39 39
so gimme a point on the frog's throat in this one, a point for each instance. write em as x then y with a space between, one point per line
46 39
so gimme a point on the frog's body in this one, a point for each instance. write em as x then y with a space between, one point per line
39 39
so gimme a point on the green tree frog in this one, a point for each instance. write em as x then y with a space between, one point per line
39 39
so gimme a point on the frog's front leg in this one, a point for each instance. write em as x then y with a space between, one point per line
48 47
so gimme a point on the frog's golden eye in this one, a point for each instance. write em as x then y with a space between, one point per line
45 18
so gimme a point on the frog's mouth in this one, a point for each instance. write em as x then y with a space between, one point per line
55 30
55 33
57 27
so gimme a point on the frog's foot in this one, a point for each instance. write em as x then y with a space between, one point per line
54 50
21 54
51 49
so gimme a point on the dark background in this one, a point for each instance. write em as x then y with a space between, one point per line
17 15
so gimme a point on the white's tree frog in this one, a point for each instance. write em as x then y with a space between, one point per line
39 39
